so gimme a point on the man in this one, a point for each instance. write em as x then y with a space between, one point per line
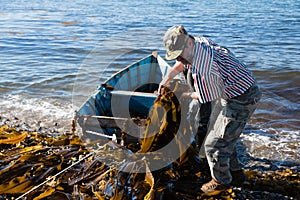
218 77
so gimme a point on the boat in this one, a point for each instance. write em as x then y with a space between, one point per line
121 104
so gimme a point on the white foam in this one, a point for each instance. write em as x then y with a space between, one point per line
274 145
37 110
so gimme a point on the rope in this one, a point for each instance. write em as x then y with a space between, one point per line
50 178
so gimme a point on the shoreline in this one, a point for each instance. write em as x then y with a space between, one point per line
265 180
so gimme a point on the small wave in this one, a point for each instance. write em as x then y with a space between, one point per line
278 146
37 112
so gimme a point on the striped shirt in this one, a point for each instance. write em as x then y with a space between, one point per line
217 73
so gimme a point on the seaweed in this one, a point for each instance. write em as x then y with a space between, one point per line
26 164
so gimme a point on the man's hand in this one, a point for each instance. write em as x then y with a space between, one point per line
192 95
159 89
185 95
176 69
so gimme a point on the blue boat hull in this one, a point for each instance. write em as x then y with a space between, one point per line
128 94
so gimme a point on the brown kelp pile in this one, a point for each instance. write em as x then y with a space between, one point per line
63 169
51 165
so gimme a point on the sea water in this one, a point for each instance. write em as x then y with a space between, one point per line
54 54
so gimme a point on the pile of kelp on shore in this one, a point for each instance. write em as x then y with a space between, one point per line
45 164
32 163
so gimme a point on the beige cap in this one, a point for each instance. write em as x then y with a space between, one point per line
174 40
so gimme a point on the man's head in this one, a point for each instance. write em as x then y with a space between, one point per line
174 40
179 44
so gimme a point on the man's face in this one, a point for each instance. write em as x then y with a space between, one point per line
186 57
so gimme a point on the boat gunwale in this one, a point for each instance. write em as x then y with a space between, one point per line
153 54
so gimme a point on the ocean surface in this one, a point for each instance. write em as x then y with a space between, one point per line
54 54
